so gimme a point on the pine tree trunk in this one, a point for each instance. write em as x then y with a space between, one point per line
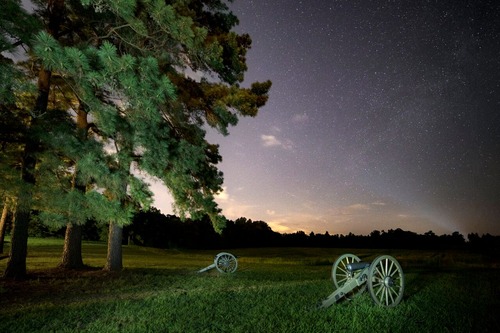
72 251
114 257
3 224
16 266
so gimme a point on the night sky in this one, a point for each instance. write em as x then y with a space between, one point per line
382 115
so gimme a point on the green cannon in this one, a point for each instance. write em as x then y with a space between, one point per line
224 262
384 278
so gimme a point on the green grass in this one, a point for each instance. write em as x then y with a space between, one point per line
274 290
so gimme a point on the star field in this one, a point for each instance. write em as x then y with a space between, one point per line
382 114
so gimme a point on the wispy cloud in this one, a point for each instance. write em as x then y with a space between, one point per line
280 225
222 196
355 209
273 141
270 140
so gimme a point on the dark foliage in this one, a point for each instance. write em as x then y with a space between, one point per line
91 231
154 229
168 231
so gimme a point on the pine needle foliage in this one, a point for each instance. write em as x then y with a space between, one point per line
150 75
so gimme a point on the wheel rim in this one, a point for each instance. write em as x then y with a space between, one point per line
341 274
386 281
226 262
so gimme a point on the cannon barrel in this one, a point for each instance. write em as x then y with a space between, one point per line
356 266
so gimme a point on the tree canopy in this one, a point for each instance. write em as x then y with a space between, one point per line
124 88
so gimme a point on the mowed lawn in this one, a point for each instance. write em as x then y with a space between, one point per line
273 290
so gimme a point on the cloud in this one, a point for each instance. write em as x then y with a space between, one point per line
222 196
355 209
270 140
233 210
279 226
273 141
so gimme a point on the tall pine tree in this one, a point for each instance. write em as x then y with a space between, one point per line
19 144
149 75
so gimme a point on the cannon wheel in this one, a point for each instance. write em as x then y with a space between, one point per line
226 262
341 275
386 281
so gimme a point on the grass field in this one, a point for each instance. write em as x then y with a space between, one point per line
274 290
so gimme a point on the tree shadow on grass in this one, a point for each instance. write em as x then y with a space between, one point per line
59 286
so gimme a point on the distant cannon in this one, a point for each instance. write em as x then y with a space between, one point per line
224 262
384 278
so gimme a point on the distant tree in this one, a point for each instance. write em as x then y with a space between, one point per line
488 243
244 232
323 240
455 240
429 240
298 238
152 228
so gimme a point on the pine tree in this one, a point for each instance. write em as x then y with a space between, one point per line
18 28
149 75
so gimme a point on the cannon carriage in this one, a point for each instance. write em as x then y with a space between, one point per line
383 277
224 262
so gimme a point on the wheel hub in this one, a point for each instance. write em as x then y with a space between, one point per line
388 282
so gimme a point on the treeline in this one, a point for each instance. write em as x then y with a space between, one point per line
154 229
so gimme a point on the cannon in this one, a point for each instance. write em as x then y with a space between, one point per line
351 276
224 262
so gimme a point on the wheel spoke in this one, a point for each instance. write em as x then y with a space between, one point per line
389 291
342 281
390 272
379 273
395 292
